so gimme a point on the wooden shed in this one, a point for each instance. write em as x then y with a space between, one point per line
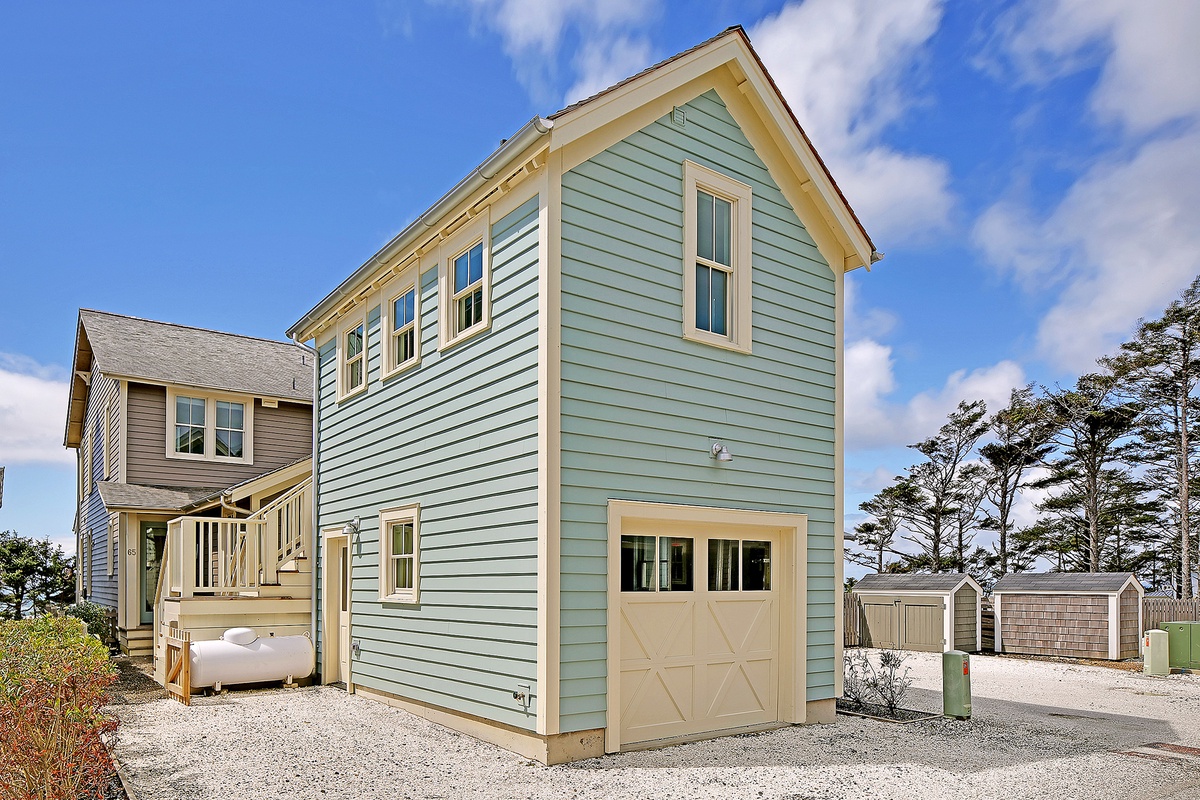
1080 614
932 613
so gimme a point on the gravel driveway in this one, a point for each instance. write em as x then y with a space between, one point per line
1040 729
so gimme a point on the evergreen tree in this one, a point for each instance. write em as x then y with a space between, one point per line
876 537
34 574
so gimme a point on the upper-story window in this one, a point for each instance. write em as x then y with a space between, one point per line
402 344
464 290
717 281
352 355
206 427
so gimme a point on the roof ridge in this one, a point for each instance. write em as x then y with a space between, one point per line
283 343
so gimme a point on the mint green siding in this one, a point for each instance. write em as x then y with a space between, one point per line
640 403
457 434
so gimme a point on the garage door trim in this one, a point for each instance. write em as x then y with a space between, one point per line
791 530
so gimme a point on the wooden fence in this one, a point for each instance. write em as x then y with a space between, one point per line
852 620
1168 609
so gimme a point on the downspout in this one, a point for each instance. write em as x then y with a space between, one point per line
228 506
312 611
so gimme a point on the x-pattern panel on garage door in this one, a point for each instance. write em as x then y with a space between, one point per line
699 634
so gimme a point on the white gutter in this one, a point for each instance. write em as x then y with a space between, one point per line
312 613
500 159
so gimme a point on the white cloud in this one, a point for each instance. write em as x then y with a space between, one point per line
1122 242
862 322
1150 71
874 421
33 410
841 65
533 31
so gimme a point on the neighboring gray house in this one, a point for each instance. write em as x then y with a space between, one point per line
579 461
166 419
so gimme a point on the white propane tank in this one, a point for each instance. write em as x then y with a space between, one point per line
241 656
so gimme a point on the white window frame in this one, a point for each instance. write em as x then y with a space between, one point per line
388 517
210 426
355 319
740 325
86 455
114 525
477 231
110 464
406 281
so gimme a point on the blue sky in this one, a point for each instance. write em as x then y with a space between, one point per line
1030 169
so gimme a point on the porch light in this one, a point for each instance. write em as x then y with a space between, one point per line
351 528
720 451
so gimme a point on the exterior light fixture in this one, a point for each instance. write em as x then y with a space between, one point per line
351 528
720 451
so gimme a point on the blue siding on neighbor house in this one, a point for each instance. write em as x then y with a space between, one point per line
93 517
457 434
639 403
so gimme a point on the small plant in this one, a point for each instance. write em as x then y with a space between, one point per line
54 681
858 669
889 684
94 616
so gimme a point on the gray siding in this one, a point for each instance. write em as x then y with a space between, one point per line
457 434
639 403
281 435
965 605
103 396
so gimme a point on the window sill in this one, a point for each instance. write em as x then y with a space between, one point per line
353 394
469 333
409 599
712 340
210 460
411 364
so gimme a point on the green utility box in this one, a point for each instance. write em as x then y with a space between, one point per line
956 684
1184 644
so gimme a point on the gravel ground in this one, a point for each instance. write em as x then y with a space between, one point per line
1040 730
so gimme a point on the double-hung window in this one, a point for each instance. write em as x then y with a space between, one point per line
203 427
464 288
717 279
402 323
354 358
399 554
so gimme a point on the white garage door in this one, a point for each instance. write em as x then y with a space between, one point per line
699 628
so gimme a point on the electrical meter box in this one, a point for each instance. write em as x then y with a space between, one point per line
1154 653
956 684
1184 644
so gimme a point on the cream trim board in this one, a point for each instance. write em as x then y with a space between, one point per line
793 532
839 481
739 324
123 429
109 441
392 516
113 545
1114 626
477 231
549 572
409 279
210 425
349 323
329 538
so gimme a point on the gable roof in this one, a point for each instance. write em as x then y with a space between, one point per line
731 49
1099 582
169 354
911 582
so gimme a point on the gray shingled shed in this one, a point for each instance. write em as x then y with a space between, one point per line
1075 614
932 613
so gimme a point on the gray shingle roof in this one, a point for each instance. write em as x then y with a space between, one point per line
910 582
128 495
169 353
1063 582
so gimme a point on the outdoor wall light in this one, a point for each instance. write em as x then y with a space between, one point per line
351 527
720 451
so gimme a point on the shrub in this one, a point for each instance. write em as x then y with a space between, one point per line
864 684
95 616
54 680
858 669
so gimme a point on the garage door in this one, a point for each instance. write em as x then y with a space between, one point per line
699 628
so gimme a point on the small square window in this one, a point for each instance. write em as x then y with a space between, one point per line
399 554
189 425
668 568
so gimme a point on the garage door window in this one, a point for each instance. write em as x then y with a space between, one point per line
727 572
674 557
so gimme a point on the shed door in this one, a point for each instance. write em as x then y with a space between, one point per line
922 624
881 616
699 628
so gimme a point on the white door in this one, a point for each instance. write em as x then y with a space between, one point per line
699 633
343 616
335 614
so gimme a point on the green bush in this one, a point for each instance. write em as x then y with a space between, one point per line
54 681
95 616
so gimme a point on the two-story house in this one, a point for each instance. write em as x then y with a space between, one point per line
177 423
579 460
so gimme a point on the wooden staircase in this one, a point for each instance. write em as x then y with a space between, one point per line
221 573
